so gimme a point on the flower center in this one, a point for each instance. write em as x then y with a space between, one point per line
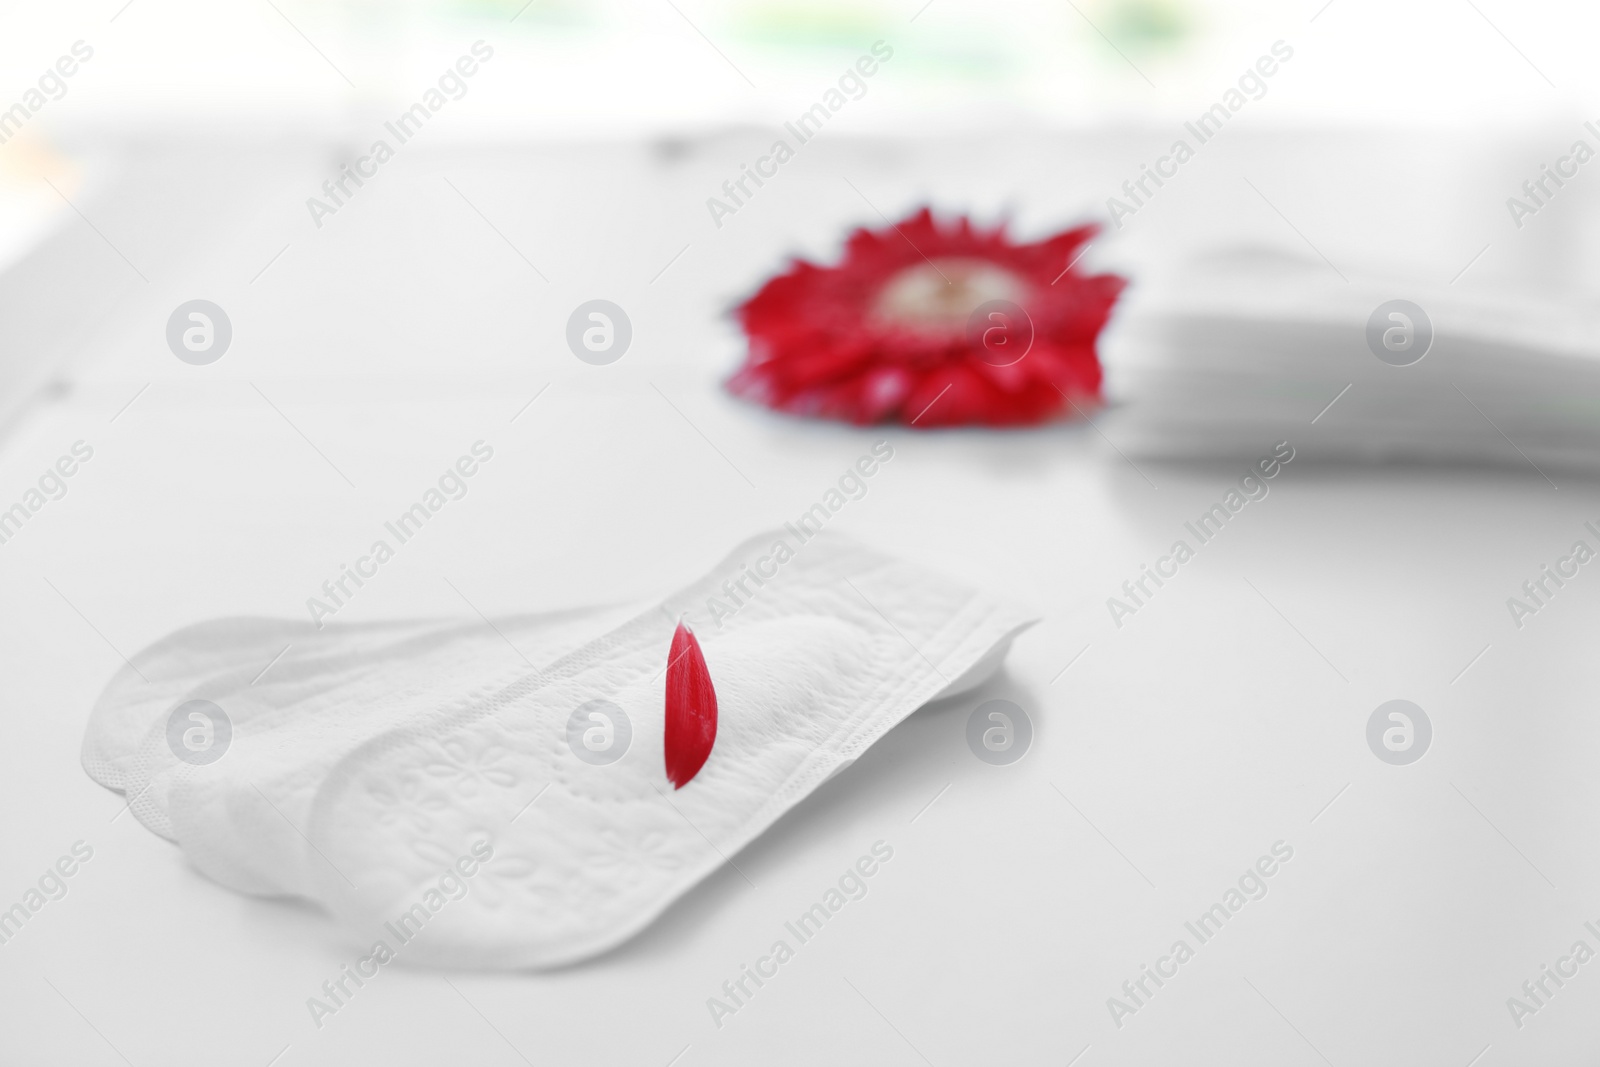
940 295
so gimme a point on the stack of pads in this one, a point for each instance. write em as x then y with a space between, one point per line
1246 349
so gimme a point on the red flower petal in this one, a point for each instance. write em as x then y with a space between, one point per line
822 346
691 709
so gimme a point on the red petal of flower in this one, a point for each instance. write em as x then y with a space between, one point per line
691 709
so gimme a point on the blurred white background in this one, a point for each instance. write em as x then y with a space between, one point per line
605 69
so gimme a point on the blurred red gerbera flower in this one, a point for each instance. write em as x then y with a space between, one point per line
931 325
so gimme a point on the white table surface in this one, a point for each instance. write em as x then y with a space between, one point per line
1172 753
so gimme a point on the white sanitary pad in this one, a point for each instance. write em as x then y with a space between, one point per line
1246 349
370 759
